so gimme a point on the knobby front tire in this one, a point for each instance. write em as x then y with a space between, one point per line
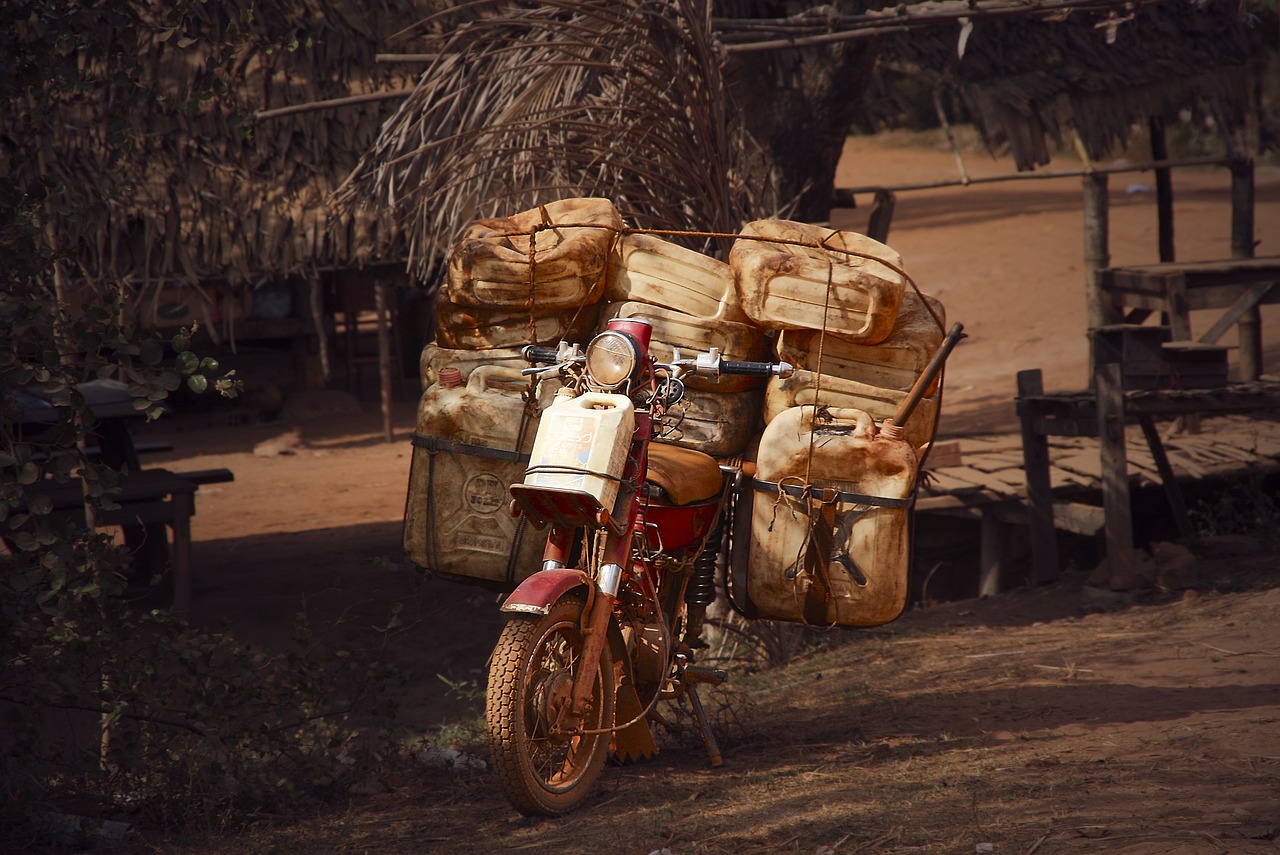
545 772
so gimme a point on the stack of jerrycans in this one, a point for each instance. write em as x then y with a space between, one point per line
475 429
690 300
822 535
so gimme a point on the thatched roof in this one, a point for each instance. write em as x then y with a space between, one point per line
206 203
579 98
205 193
616 98
1031 79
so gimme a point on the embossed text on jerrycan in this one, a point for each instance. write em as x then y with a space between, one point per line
465 458
836 553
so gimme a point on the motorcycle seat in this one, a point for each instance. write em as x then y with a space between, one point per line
687 476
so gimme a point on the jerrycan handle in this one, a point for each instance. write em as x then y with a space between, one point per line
485 377
864 426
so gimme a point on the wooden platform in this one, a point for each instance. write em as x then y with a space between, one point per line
974 470
985 477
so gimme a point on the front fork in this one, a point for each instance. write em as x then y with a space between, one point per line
606 564
595 633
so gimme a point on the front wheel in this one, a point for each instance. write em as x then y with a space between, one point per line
546 768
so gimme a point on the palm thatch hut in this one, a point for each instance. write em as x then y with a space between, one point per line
699 122
242 126
186 201
1083 73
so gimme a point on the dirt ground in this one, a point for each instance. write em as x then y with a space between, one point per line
1039 721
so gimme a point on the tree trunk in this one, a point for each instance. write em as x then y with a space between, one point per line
798 105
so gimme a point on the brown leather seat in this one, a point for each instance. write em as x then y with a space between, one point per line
687 476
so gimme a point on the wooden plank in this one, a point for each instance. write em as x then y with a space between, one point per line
994 462
1078 518
1171 490
1035 450
1083 464
958 501
1066 478
969 478
1115 480
949 482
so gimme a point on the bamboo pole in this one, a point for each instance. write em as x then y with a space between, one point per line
384 355
1048 174
333 102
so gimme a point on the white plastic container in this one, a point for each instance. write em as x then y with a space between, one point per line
802 388
469 328
648 269
785 285
582 445
465 458
866 574
895 363
672 329
490 265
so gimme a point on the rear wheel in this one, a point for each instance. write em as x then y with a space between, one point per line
546 768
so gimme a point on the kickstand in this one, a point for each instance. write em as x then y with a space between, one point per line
704 726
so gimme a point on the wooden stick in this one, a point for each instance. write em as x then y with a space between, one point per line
384 355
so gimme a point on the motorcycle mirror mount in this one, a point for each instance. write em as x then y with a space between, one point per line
702 363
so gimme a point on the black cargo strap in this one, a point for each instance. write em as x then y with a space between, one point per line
827 494
434 444
551 469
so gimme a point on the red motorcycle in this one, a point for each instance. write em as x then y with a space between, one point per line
608 626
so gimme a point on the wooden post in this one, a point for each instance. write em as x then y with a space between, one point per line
384 355
1097 255
1242 245
1035 460
1115 471
991 548
881 215
1171 489
315 305
1164 189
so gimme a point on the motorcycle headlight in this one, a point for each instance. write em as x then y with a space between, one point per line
612 358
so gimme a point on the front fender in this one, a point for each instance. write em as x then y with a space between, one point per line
538 593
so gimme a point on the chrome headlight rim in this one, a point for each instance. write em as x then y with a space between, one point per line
612 359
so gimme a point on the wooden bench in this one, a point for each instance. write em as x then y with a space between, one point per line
149 501
1238 285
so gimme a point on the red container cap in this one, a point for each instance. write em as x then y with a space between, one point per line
450 377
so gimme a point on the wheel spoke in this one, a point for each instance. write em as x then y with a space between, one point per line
544 768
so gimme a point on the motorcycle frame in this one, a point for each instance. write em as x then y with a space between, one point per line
612 564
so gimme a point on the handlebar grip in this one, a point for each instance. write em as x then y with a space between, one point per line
747 369
533 353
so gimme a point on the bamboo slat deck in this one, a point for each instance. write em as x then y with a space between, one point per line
990 468
985 478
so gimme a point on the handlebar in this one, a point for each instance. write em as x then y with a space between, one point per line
534 353
756 369
710 364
